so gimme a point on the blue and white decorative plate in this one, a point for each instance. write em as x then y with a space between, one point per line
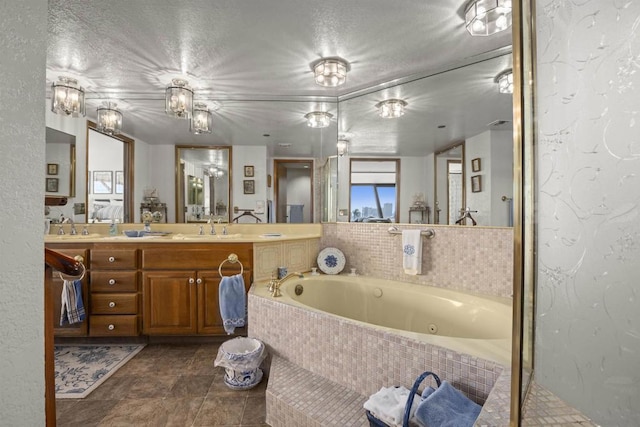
331 260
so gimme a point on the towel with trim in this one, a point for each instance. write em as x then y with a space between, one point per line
232 302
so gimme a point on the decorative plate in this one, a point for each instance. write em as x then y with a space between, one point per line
331 260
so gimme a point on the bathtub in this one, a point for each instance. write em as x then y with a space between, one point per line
460 321
364 332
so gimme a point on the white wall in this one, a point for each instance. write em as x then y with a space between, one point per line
413 180
587 348
22 176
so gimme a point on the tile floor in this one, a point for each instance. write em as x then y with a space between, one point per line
167 385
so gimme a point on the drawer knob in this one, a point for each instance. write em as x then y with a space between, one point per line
191 281
111 327
199 281
112 304
112 259
112 281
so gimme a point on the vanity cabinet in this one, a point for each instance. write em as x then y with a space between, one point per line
114 297
181 285
76 329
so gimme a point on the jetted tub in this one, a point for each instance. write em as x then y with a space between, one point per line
466 323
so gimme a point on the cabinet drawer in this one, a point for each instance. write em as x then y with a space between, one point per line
114 281
117 326
114 303
113 259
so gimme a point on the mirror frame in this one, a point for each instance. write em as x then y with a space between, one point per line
178 176
72 168
128 151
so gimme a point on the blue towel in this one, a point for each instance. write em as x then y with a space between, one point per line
446 407
232 302
72 310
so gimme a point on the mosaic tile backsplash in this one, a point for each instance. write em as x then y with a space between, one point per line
472 259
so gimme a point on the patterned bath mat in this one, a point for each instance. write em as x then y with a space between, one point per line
80 369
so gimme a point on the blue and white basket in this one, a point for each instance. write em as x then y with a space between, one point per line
241 358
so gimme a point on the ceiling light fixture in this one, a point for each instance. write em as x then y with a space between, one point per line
67 97
330 72
179 99
202 120
109 118
391 108
318 119
505 81
487 17
343 147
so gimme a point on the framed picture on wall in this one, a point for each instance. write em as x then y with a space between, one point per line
475 165
102 182
249 186
52 169
476 183
248 171
52 185
119 182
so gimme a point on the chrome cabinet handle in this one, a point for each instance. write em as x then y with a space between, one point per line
112 259
112 304
111 327
112 281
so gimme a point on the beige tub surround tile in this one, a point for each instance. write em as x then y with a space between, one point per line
296 255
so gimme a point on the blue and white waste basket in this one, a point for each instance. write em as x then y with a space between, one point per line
241 357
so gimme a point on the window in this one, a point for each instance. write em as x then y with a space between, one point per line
373 190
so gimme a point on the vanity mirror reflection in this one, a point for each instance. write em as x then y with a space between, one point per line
203 177
60 155
461 106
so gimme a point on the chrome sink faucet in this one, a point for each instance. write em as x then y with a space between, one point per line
213 229
274 284
73 231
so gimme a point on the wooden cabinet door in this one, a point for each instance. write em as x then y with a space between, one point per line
209 317
169 303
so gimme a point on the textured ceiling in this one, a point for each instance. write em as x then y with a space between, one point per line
252 58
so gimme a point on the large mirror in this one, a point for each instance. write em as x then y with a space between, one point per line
461 107
203 184
60 154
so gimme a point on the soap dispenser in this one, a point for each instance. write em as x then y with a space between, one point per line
113 228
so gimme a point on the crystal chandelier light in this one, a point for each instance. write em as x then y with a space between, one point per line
391 108
202 120
330 72
109 119
487 17
318 119
179 99
67 97
505 81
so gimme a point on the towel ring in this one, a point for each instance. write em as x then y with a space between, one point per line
232 258
79 259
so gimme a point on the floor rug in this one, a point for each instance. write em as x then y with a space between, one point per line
80 369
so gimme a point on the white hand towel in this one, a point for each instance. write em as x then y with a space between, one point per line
412 252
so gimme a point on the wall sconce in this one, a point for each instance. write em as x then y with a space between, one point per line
343 147
202 120
109 119
318 119
505 81
67 97
330 72
179 99
391 108
487 17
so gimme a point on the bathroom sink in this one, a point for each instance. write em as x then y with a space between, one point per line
208 237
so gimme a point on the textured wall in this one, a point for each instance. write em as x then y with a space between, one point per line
22 42
588 162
